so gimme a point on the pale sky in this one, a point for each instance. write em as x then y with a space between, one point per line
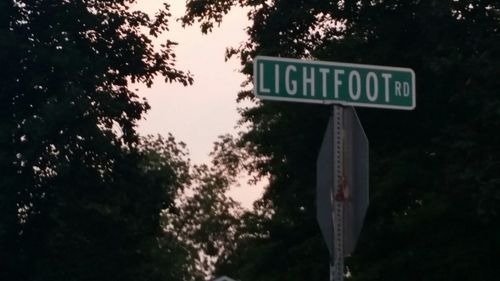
198 114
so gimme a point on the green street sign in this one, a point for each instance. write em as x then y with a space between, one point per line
324 82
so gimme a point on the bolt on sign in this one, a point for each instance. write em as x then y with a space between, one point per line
334 83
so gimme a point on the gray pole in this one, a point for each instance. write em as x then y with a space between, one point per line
338 194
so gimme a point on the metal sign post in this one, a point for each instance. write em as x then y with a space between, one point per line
338 195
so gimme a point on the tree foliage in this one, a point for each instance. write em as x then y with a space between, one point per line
206 219
435 193
80 199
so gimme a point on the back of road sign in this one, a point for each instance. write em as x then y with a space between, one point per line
356 172
324 187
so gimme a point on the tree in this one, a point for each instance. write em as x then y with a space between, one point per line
434 193
206 219
167 170
76 201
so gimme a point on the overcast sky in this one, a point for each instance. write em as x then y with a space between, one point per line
198 114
